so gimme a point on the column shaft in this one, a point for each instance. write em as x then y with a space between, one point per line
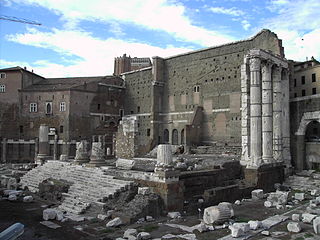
245 112
286 120
277 115
255 112
267 126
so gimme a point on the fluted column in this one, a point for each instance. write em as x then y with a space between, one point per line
43 144
267 119
286 120
277 114
255 112
164 154
245 112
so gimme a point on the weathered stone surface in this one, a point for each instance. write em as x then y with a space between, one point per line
294 227
49 214
216 214
299 196
12 197
164 154
130 232
144 190
257 194
124 163
59 215
143 236
227 205
236 230
27 199
278 198
102 217
307 217
295 217
174 215
254 225
316 225
267 204
114 222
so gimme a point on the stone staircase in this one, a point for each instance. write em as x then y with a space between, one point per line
90 186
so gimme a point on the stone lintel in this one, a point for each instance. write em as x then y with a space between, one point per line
263 55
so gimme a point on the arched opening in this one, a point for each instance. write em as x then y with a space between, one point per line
166 136
182 137
175 140
312 145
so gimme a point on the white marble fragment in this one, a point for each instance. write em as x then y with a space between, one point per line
48 214
102 217
143 236
257 194
316 225
114 222
254 225
295 217
144 190
299 196
307 217
27 199
294 227
130 232
174 215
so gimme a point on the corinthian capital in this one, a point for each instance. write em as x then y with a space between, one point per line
255 64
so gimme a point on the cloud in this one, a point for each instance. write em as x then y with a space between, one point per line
245 24
163 15
228 11
294 21
95 56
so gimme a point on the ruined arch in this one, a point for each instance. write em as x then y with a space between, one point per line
166 136
182 137
175 138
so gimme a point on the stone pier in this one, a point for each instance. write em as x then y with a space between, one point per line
265 110
43 148
97 157
82 155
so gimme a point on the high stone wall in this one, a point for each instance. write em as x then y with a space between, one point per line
208 78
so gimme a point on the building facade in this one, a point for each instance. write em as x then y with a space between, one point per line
127 64
193 98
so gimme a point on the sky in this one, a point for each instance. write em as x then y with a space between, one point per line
82 37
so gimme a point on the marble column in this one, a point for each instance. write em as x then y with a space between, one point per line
55 148
164 154
267 118
255 112
277 114
245 112
43 144
286 120
82 155
97 157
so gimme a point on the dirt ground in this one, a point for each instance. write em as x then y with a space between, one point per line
30 214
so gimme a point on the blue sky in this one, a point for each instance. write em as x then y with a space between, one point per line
82 37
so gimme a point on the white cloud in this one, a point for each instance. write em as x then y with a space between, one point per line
296 20
95 55
245 24
228 11
168 16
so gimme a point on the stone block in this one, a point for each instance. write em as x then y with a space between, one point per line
316 225
12 197
144 190
294 227
257 194
174 215
237 202
102 217
239 229
27 199
265 233
59 215
267 204
114 222
299 196
278 198
227 205
216 214
130 232
143 236
49 214
314 192
254 225
307 217
295 217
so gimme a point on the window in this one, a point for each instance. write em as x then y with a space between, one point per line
303 80
2 88
61 129
62 107
196 88
314 90
3 75
48 107
21 129
138 109
148 132
33 107
313 76
303 92
98 107
295 95
295 82
121 113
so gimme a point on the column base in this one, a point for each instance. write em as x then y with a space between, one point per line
41 159
96 163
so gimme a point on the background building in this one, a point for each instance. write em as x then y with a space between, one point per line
127 64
